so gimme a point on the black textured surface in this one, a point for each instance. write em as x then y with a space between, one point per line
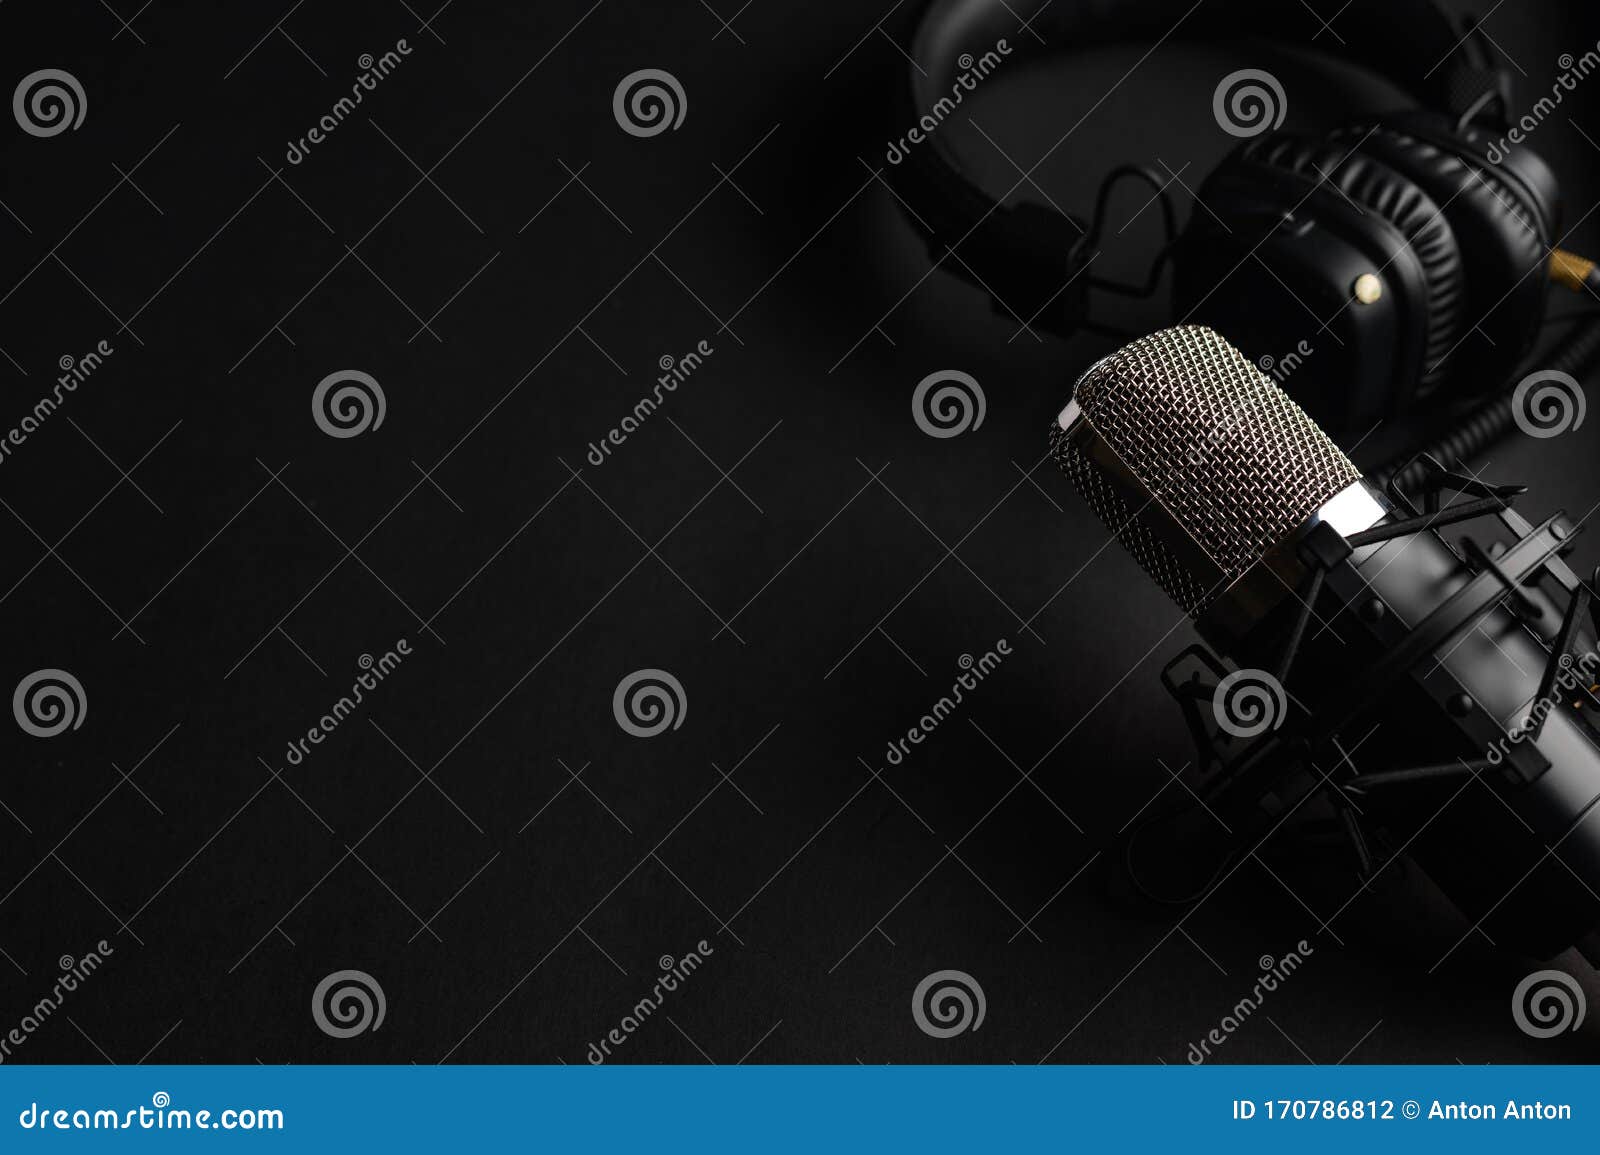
484 240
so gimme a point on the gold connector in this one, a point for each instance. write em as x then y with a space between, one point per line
1570 270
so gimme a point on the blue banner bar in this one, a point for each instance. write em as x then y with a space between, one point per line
830 1109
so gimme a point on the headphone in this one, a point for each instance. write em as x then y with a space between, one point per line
1422 247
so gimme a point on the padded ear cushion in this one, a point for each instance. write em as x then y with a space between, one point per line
1501 226
1393 197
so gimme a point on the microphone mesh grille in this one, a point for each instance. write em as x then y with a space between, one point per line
1223 451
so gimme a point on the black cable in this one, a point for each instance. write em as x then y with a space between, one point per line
1575 355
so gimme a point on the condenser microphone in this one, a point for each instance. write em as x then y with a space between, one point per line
1201 463
1471 673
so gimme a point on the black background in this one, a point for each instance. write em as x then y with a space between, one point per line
785 493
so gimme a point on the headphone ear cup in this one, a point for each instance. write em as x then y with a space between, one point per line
1285 233
1502 218
1383 195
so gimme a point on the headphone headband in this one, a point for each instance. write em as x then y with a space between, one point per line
1032 250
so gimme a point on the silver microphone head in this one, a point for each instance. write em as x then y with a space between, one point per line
1199 462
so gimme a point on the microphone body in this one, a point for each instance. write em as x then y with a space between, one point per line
1429 685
